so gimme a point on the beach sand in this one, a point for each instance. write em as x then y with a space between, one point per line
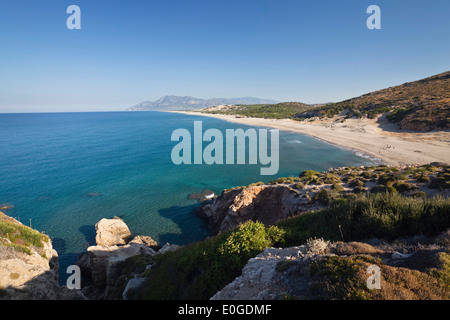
376 138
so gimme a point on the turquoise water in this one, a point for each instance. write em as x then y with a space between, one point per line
66 171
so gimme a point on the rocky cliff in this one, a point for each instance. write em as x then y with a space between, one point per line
266 203
29 265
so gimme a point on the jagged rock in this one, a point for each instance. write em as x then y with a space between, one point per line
112 232
145 240
168 247
257 279
267 204
100 267
132 285
398 255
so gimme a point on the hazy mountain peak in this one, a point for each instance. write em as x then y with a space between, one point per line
171 102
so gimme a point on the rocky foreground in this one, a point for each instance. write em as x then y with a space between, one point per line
29 264
337 270
268 244
101 265
29 270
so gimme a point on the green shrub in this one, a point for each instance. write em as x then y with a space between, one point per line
259 183
200 269
443 272
308 174
359 190
285 180
387 180
299 185
325 196
398 114
337 187
422 177
419 194
250 238
356 183
21 235
336 278
402 186
439 182
383 215
331 178
367 174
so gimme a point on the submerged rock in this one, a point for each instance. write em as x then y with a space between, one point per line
92 194
203 196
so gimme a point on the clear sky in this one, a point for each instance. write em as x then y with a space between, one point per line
288 50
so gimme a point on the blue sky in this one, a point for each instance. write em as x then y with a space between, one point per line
287 50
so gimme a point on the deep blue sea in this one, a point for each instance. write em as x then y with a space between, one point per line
66 171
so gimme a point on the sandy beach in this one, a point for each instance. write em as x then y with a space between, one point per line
376 138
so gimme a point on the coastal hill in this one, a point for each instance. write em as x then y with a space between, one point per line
421 105
173 103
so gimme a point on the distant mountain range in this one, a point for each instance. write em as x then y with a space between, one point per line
172 103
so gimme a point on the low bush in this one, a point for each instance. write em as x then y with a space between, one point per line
21 237
199 270
308 174
382 215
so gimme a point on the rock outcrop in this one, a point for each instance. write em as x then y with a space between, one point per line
101 265
29 271
112 232
266 203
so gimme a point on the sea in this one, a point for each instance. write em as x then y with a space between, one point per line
61 173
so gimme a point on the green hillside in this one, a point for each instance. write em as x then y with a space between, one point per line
421 105
269 111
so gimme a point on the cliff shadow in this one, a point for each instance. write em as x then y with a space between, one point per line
192 227
88 232
65 258
42 287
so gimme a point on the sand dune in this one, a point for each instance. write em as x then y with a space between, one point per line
376 138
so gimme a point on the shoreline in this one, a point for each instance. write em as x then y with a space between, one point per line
376 139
